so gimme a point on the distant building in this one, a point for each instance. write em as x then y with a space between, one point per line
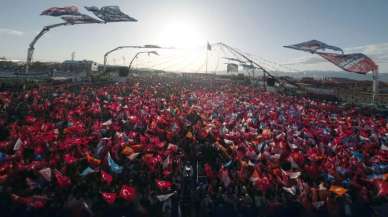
79 66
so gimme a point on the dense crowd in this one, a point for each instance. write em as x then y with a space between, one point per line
175 147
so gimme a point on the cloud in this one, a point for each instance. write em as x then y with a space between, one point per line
10 32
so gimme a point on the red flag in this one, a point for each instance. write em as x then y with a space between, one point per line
106 177
382 187
60 11
37 202
263 183
3 178
62 180
255 176
163 185
109 197
224 176
209 171
69 159
128 193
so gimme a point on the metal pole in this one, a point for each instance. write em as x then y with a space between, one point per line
137 54
375 85
259 66
133 59
31 47
113 50
197 172
207 56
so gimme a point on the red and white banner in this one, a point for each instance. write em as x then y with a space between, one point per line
357 62
61 11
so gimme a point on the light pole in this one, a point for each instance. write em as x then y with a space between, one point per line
71 16
31 47
113 50
147 46
138 53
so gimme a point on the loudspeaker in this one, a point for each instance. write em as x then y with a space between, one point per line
270 82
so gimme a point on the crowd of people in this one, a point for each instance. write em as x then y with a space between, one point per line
157 146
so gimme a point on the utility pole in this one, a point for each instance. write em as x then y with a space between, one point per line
73 56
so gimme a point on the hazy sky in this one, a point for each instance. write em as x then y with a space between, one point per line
259 27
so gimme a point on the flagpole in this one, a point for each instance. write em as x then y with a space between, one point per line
207 55
375 87
197 171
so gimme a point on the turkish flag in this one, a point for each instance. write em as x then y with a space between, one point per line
128 193
163 185
109 197
62 180
106 177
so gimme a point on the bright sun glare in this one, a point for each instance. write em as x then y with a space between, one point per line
181 35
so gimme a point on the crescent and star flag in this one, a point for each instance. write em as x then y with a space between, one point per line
313 46
61 11
110 14
356 62
110 198
128 193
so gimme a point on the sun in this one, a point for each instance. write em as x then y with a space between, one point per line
181 35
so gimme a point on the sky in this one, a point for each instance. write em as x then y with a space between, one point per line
259 27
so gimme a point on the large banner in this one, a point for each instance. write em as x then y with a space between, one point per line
231 68
357 62
313 46
110 14
58 11
80 19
